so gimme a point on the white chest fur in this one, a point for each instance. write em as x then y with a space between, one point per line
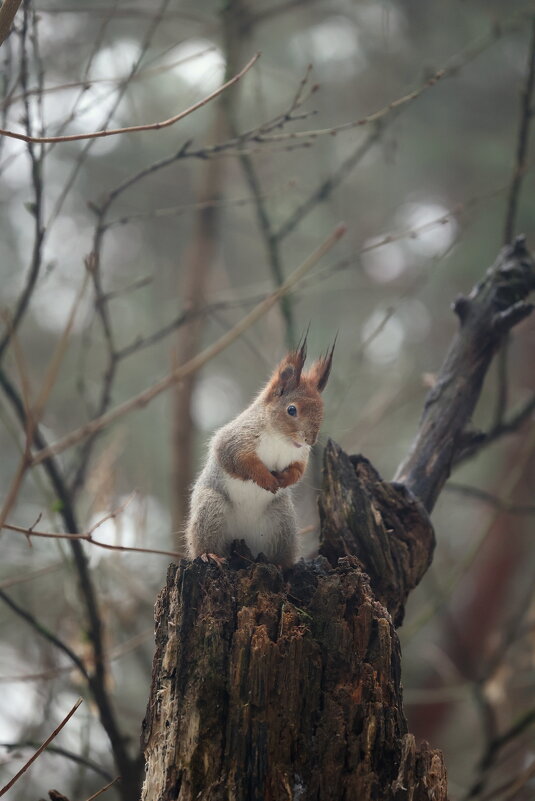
277 452
248 517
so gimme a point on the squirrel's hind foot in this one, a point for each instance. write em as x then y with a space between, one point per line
213 557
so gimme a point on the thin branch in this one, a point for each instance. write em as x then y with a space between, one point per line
87 537
138 283
33 414
271 244
452 68
526 114
87 591
41 748
115 653
36 161
86 83
154 126
278 9
62 752
141 400
502 394
102 310
513 784
327 187
29 575
233 147
96 47
252 296
519 171
44 632
510 426
488 497
184 208
495 746
103 789
510 484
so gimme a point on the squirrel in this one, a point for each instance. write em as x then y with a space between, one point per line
243 490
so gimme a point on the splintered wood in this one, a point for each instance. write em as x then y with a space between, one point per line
272 687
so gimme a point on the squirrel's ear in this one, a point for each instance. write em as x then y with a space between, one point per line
320 370
288 374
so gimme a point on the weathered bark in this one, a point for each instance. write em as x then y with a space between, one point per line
288 687
493 307
379 522
272 687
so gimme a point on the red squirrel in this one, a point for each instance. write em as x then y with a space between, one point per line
243 490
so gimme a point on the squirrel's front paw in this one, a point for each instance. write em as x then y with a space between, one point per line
271 483
290 475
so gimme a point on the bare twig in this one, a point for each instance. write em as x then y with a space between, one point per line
264 133
102 310
495 746
88 537
153 126
29 575
519 171
116 653
451 68
327 187
513 785
103 789
36 161
251 296
502 394
278 9
488 497
85 82
62 752
97 681
34 414
233 147
271 244
44 632
141 400
41 748
138 283
510 484
522 144
183 208
514 423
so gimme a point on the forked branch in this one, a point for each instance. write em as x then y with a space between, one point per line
487 314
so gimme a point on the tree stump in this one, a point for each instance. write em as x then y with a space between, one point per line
269 687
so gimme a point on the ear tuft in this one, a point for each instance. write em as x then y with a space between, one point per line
320 370
288 374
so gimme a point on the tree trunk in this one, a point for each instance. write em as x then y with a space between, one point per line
266 688
272 687
288 687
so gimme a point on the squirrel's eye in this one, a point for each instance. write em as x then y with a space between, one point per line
292 411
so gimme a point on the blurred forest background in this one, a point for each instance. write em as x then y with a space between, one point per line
189 227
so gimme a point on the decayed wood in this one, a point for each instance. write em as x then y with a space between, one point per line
487 314
271 687
381 523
